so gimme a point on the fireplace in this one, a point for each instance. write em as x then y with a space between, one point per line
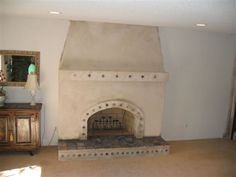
113 118
111 91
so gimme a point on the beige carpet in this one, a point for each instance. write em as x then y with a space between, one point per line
201 158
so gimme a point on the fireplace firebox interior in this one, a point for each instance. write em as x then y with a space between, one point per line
111 122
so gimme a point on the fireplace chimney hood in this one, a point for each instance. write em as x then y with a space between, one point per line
112 47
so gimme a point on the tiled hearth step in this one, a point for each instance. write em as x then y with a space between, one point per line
111 147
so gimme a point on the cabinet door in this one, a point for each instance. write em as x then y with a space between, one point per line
4 129
23 128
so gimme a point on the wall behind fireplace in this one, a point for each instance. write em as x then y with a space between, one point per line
199 63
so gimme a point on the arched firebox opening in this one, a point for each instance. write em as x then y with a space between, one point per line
111 122
118 116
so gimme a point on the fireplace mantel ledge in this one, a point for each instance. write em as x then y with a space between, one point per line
114 76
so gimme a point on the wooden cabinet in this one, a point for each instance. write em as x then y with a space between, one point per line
20 127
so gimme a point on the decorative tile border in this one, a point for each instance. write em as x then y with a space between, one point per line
92 154
117 76
137 113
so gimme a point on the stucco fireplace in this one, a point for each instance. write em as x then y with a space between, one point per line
111 84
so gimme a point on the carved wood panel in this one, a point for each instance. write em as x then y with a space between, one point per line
23 129
3 129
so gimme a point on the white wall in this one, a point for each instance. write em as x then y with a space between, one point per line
200 66
1 26
46 36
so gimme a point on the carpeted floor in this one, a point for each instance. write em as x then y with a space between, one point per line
199 158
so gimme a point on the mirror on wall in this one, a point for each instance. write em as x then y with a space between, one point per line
14 65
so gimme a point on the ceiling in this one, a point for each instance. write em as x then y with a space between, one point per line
219 15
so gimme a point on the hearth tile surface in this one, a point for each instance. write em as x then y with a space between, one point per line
111 147
111 142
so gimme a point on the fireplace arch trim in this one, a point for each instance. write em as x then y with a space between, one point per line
136 111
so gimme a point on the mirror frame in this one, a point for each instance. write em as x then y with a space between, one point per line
34 54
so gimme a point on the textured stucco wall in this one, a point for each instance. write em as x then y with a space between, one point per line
75 98
112 47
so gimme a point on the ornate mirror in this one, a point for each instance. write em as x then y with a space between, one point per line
14 65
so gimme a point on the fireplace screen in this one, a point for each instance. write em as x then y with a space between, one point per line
109 122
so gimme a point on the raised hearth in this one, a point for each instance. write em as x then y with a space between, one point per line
110 147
